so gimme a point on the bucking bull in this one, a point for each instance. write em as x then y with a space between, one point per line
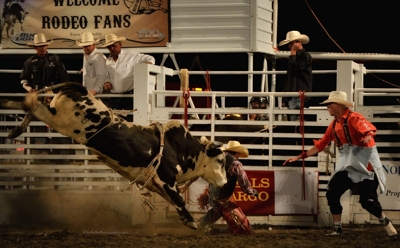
156 157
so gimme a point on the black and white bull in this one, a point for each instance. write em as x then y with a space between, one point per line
157 157
15 13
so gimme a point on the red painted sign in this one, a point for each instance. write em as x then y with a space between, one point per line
264 204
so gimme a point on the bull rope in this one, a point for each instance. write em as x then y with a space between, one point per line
101 129
156 158
302 98
54 87
109 124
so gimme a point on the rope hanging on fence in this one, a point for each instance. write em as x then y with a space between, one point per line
186 95
302 98
208 88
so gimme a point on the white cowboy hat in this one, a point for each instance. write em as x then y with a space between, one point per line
86 39
294 35
339 97
39 40
111 39
235 146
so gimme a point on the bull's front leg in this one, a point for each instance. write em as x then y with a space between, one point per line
179 203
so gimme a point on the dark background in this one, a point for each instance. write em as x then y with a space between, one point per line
356 26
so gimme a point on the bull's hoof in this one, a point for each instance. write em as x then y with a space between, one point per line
191 225
15 132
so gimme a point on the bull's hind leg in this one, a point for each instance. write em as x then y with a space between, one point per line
18 130
179 203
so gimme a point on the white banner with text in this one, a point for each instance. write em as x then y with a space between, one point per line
144 23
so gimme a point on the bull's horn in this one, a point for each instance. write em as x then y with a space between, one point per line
215 144
55 87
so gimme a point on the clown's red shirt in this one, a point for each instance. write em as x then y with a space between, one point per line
358 128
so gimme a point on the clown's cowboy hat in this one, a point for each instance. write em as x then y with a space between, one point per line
235 146
339 97
111 39
87 39
39 40
294 35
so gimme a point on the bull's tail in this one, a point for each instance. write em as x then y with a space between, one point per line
8 104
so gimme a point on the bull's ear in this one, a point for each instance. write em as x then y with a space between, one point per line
213 152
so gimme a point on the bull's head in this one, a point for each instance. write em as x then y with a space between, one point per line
213 163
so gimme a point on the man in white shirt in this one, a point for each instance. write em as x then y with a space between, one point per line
120 66
94 64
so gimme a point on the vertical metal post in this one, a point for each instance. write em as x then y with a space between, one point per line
345 77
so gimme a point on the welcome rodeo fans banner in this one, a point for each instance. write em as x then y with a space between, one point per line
144 23
279 192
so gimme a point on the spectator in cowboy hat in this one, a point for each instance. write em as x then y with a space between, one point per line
39 71
94 64
120 66
358 168
299 70
220 198
33 76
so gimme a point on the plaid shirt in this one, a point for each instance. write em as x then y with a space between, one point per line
236 169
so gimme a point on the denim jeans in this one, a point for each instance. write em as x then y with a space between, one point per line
293 103
215 212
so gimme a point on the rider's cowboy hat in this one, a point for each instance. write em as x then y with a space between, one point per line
39 40
111 39
87 39
339 97
235 146
294 35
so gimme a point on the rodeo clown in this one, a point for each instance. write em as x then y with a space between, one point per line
358 168
220 199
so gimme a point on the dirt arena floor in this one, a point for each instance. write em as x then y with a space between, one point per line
164 235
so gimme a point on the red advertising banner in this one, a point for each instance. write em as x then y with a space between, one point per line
144 23
264 183
279 193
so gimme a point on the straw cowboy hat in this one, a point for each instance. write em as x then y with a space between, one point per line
111 39
294 35
339 97
39 40
87 39
235 146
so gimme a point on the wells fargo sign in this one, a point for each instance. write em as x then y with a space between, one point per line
142 22
279 192
265 202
